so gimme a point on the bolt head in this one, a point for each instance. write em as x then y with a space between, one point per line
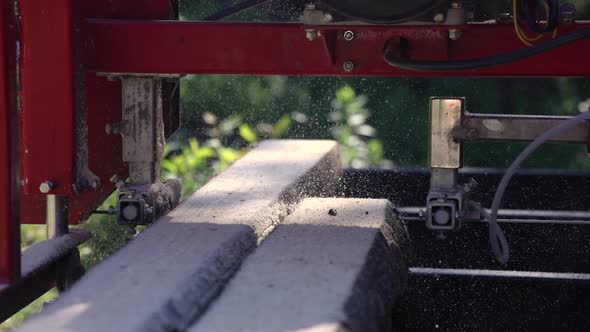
46 187
439 18
327 18
456 4
348 35
348 66
311 34
455 34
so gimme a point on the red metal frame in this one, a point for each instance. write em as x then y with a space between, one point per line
114 43
46 127
48 107
283 49
122 36
9 223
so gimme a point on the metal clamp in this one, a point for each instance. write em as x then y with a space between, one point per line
144 197
450 125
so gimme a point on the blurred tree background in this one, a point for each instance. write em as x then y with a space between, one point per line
379 122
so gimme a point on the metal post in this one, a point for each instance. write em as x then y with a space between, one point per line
445 198
57 216
518 127
144 197
10 267
142 128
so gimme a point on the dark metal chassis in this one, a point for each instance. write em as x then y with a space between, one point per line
470 302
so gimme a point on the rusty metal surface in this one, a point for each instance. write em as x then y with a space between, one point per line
519 128
445 116
142 128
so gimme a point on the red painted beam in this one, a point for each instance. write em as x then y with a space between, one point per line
49 103
9 206
48 100
283 49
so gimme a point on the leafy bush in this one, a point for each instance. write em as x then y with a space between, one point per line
359 147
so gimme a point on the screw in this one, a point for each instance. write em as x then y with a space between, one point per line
439 18
348 35
95 183
46 187
327 18
455 34
348 66
312 34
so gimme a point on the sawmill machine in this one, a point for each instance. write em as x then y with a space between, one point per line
89 92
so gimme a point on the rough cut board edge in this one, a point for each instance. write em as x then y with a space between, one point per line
197 289
380 281
183 308
385 272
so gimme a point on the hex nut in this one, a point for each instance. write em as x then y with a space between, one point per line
348 66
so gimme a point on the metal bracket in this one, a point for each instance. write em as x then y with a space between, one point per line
143 198
445 198
450 125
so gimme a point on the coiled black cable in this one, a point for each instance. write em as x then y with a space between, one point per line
552 15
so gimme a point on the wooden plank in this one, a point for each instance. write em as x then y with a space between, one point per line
170 273
46 252
39 269
335 264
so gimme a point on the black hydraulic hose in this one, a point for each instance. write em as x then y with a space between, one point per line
235 9
488 61
497 239
494 230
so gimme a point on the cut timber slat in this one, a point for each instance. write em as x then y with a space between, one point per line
170 273
38 270
319 271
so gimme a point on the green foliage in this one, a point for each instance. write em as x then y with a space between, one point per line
358 147
226 141
107 236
